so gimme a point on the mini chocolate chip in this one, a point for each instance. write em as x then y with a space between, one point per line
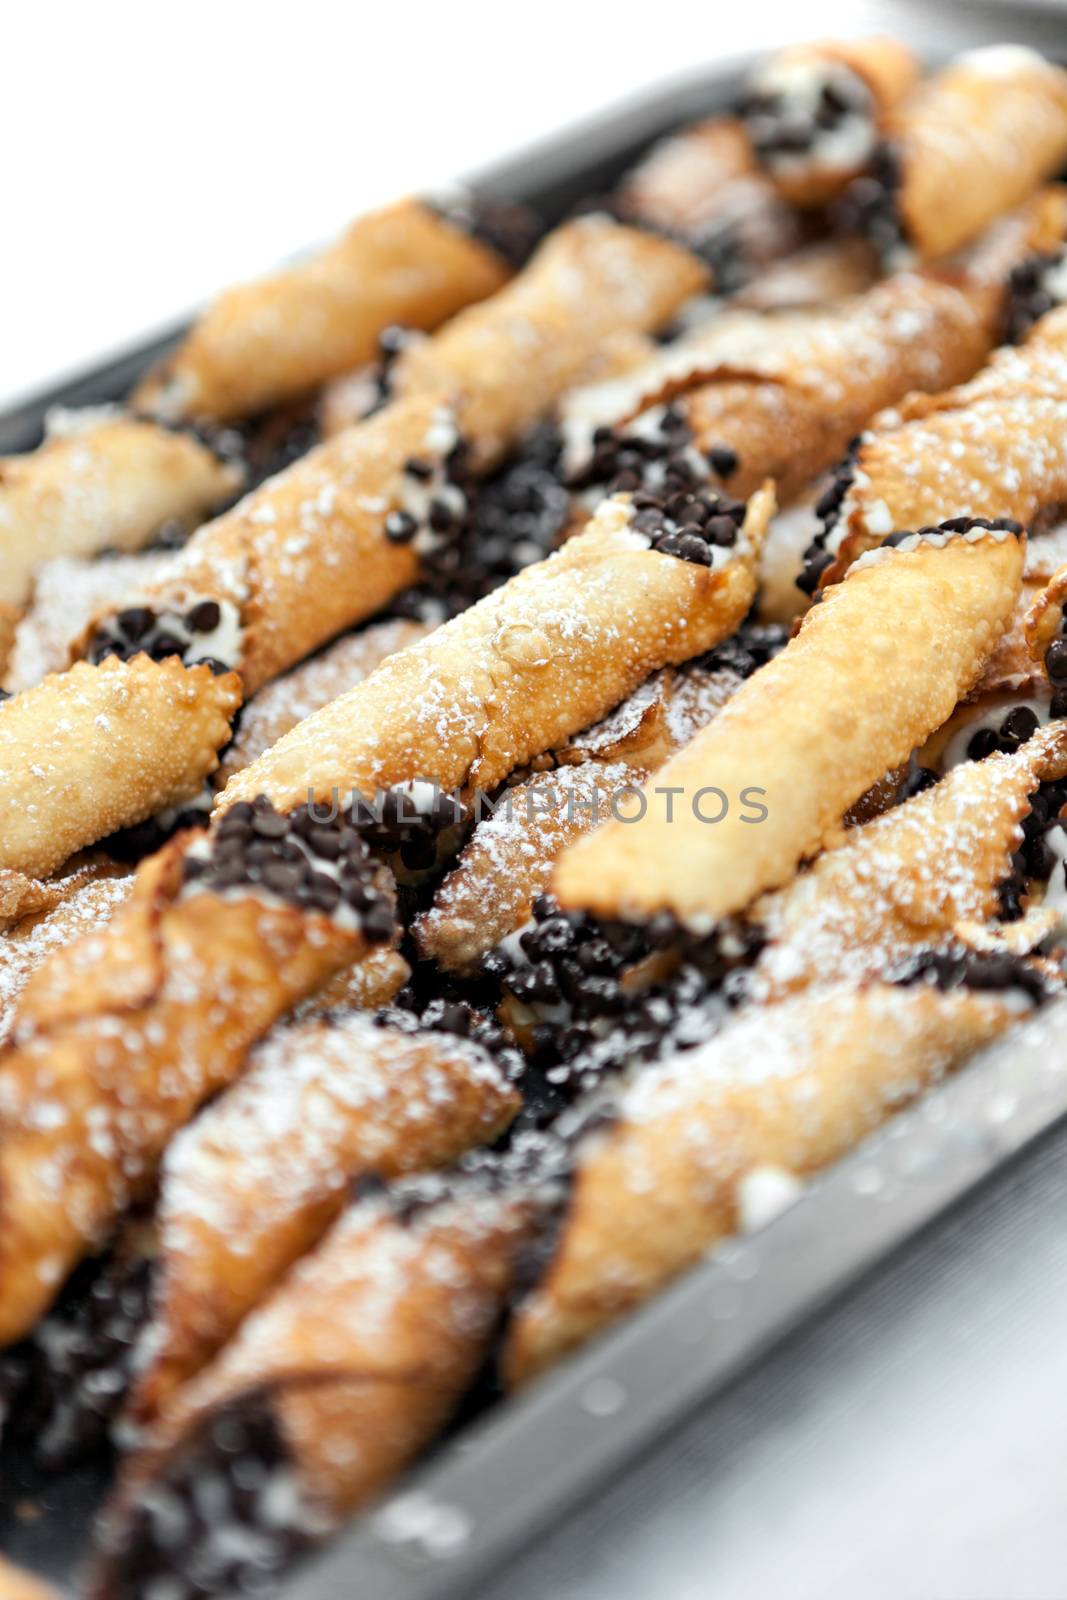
441 516
1058 707
204 617
400 527
281 876
325 891
648 521
418 467
723 460
721 530
269 825
164 645
135 622
1019 725
982 744
325 842
217 667
1056 663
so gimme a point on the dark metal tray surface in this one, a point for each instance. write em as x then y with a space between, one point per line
502 1480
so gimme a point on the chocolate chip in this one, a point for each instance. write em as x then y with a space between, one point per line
982 744
281 876
724 460
204 617
135 622
270 825
721 530
1019 725
401 527
1056 663
418 467
164 645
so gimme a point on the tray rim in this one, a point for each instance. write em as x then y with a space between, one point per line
992 1120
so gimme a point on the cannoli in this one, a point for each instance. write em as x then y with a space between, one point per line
814 112
324 1396
532 663
119 1037
789 1088
994 447
509 859
100 481
312 552
280 705
876 666
591 279
702 186
73 905
909 878
68 593
256 1181
281 337
779 394
966 146
94 749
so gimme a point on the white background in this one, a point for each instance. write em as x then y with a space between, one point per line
155 152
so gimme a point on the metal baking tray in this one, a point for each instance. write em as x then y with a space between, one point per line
498 1483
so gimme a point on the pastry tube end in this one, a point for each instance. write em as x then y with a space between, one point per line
814 111
527 667
100 481
304 557
278 338
969 144
593 278
98 748
122 1035
256 1181
336 1384
882 660
785 1089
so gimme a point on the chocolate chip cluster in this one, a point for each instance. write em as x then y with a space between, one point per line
663 459
778 125
1034 861
1029 296
575 970
515 517
1056 667
1020 724
751 647
61 1388
870 203
318 866
691 524
142 630
961 968
252 1526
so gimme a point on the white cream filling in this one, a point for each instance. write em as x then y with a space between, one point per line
844 147
937 541
956 749
417 495
342 914
223 643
